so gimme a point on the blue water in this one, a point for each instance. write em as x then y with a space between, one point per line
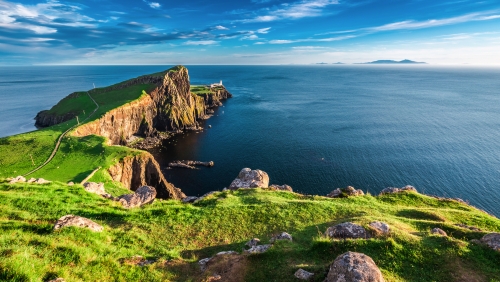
316 128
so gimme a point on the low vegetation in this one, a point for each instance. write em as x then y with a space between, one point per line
177 235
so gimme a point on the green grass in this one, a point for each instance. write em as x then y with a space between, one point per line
178 235
200 89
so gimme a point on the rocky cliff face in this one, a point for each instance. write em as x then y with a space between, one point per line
134 172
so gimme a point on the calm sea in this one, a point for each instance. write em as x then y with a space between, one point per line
315 128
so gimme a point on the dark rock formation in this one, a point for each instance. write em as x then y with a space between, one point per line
134 172
45 118
78 221
142 196
353 266
248 178
346 230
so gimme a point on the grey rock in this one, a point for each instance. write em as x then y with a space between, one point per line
189 199
283 187
355 267
392 190
96 188
258 249
205 195
203 262
248 178
492 240
438 231
349 191
17 179
302 274
142 196
77 221
335 193
252 243
380 227
282 236
346 230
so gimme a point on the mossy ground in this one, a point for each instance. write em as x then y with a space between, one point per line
177 235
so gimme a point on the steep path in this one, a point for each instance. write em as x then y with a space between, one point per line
61 137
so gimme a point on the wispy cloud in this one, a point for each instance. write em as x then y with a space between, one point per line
154 5
296 10
201 42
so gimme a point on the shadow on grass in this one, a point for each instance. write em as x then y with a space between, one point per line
423 215
40 229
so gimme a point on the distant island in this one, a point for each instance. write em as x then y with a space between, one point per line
394 62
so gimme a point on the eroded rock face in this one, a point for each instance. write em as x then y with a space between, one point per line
438 231
303 275
142 196
392 190
356 267
492 240
78 221
346 230
381 228
281 236
248 178
96 188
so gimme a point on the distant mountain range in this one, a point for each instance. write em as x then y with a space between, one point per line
394 62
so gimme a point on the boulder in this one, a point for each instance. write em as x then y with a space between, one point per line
346 230
303 275
189 199
252 243
96 188
438 231
143 195
77 221
379 227
356 267
492 240
203 262
41 181
349 191
283 187
392 190
31 180
248 178
281 236
17 179
258 249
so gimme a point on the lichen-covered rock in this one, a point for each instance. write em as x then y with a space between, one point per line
492 240
203 262
252 243
438 231
281 236
142 196
189 199
349 191
381 228
248 178
258 249
355 267
303 275
346 230
392 190
96 188
77 221
283 187
17 179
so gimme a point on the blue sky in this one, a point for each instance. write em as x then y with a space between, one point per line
248 31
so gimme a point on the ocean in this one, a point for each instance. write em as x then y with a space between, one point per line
315 128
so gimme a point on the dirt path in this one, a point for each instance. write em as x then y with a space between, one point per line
61 137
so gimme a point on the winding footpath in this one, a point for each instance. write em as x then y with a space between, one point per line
61 137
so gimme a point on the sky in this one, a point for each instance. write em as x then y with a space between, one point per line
128 32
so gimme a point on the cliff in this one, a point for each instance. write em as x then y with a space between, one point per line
134 172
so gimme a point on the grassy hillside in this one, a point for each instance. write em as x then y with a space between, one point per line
178 235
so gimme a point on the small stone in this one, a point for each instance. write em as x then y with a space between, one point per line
248 178
71 183
282 236
492 240
302 274
259 249
346 230
41 181
189 199
380 227
252 243
142 196
77 221
215 277
438 231
203 263
356 267
31 180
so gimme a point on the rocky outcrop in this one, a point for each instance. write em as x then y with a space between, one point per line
392 190
142 196
248 178
77 221
347 192
190 164
353 266
95 188
492 240
17 179
283 187
46 118
140 170
346 230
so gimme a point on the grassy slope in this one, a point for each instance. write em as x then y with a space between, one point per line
178 235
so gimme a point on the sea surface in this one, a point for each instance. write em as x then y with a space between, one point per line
315 128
